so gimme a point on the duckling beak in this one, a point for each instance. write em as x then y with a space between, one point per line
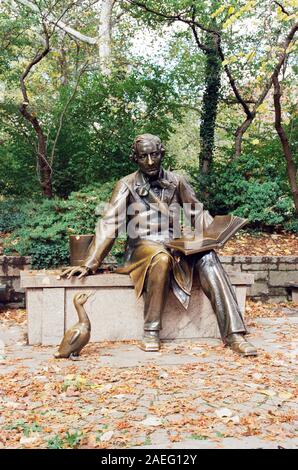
89 293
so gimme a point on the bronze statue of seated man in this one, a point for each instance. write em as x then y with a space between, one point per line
140 202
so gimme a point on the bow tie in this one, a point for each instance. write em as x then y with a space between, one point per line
159 183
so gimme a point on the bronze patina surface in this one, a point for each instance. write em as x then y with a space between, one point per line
155 194
79 334
79 245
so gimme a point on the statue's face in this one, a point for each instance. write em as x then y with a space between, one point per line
148 158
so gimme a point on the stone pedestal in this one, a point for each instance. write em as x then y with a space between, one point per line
114 312
294 288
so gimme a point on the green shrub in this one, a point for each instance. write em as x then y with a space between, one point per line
252 189
292 226
12 214
264 204
45 226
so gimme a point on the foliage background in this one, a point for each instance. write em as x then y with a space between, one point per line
156 84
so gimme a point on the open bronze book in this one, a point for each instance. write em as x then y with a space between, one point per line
222 228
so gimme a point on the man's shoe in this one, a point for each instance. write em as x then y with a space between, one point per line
238 343
150 342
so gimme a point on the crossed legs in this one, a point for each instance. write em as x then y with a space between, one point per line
216 286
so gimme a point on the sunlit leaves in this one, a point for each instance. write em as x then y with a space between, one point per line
218 11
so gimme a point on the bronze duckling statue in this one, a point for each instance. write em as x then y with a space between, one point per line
79 334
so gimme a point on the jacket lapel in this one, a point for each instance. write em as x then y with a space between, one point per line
146 195
142 186
170 190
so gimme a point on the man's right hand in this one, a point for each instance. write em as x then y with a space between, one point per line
81 271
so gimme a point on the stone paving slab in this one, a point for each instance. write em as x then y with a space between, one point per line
129 355
189 399
228 443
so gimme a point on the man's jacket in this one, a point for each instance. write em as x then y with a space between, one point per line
149 215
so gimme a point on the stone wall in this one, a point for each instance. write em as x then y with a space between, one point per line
272 274
10 267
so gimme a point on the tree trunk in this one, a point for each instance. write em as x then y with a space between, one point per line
43 167
209 108
291 168
240 133
251 114
105 35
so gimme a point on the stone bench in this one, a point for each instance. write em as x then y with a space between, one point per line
114 312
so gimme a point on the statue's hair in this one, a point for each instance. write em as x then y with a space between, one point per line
154 139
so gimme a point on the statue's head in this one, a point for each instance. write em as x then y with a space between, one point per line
148 153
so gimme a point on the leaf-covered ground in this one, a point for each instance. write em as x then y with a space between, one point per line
261 244
194 394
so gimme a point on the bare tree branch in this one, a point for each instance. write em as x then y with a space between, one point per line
177 17
37 58
281 59
282 8
232 81
235 101
60 24
200 45
105 35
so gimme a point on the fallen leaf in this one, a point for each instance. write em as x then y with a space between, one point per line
107 436
224 413
91 442
28 440
234 419
152 421
72 392
269 393
15 405
285 395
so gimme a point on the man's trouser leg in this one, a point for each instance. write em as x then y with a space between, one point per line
219 290
156 291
